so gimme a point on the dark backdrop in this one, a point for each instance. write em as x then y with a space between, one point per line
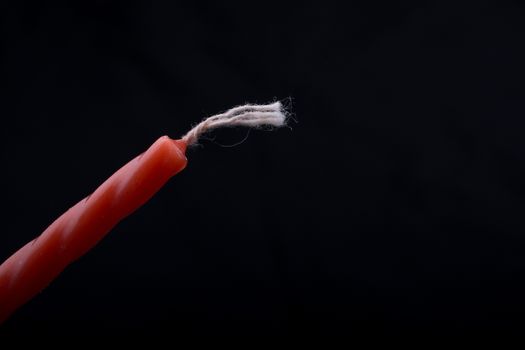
393 203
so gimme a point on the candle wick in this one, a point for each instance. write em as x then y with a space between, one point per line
252 116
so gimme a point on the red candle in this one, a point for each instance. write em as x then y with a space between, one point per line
35 265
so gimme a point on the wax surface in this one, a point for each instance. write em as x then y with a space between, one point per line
35 265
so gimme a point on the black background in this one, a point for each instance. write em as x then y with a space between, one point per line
393 203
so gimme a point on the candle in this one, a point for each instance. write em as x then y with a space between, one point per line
35 265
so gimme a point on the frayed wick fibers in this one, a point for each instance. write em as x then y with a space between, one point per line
252 116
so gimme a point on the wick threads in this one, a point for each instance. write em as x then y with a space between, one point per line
252 116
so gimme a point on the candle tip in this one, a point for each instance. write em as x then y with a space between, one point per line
181 145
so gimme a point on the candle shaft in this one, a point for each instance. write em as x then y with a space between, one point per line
35 265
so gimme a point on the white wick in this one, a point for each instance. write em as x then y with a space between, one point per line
251 116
